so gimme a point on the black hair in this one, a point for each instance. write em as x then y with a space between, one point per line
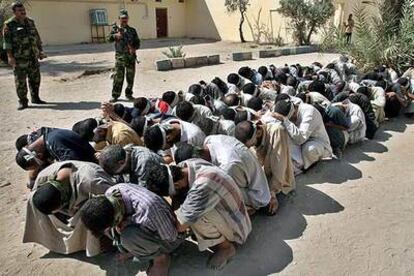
184 111
138 124
47 198
246 72
302 96
255 103
183 152
153 138
169 97
229 114
292 81
196 89
244 131
317 86
364 90
16 5
249 88
140 103
110 157
119 109
263 70
157 179
241 116
221 85
198 100
403 81
21 142
281 78
97 214
381 83
233 79
177 173
23 162
85 128
281 97
282 107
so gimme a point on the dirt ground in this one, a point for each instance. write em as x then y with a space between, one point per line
348 217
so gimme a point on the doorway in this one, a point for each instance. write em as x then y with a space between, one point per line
162 22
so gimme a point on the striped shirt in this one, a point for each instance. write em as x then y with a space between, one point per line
148 210
211 188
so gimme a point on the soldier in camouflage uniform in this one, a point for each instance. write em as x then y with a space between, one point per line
24 49
126 44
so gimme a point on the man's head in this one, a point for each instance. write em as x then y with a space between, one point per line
171 98
85 128
249 88
221 85
100 133
241 116
123 17
98 214
263 70
255 103
29 159
141 124
21 142
196 89
185 111
285 108
231 100
19 10
186 151
317 86
281 78
246 72
51 196
179 177
229 114
248 133
233 79
160 137
364 90
292 81
113 160
350 16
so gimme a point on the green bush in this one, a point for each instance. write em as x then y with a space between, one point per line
382 37
175 52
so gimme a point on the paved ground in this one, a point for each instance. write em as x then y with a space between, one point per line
349 217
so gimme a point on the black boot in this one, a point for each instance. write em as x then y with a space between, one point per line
37 100
22 105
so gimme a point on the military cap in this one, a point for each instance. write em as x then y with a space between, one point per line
123 13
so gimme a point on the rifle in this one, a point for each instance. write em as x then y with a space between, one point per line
128 39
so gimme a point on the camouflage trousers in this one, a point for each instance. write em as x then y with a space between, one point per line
27 71
124 64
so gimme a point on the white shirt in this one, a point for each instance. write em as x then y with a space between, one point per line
358 126
239 162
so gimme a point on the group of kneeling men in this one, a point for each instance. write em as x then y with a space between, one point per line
197 164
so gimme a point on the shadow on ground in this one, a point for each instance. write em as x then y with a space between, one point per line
266 250
68 106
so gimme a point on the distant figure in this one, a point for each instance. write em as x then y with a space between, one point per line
24 49
349 28
126 44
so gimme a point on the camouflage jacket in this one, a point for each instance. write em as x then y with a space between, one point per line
22 38
129 39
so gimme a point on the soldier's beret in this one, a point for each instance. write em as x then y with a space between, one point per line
123 13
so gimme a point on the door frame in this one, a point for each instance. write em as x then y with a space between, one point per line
166 21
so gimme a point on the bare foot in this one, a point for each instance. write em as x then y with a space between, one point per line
223 253
272 207
160 266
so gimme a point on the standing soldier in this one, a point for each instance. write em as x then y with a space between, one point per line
24 49
126 44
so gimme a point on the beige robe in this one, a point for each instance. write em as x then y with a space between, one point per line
274 154
66 238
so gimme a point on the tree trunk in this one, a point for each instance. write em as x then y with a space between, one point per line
308 38
241 28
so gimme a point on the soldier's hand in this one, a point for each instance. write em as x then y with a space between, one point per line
118 36
42 55
12 61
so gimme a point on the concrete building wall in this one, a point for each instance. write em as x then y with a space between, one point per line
65 22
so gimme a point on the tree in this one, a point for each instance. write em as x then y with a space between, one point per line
241 6
382 37
306 17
